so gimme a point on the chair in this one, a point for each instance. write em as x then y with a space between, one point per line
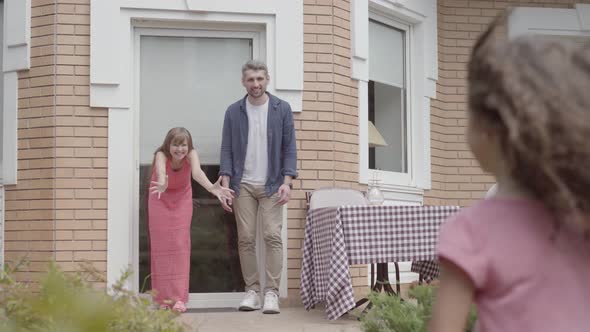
327 197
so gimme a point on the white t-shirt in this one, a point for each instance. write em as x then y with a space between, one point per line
256 164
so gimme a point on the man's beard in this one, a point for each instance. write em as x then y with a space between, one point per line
256 93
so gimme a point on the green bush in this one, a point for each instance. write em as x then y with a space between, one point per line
391 314
67 302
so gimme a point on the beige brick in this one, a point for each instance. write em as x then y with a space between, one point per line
42 41
82 70
90 235
99 245
72 100
64 29
73 245
82 30
73 162
90 255
61 256
72 19
317 10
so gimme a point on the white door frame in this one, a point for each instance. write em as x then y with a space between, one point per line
257 35
112 25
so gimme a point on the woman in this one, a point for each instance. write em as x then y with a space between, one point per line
170 210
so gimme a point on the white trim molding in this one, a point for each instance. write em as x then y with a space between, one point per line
113 32
2 227
420 16
111 39
550 21
16 56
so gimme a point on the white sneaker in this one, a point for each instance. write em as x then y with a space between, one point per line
250 302
271 303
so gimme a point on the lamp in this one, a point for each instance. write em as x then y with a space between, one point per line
375 138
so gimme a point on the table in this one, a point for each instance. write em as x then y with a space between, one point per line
337 237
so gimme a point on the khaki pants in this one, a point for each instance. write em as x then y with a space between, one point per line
249 206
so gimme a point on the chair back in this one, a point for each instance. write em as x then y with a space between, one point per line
327 197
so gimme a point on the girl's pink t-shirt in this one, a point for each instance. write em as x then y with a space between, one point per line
529 276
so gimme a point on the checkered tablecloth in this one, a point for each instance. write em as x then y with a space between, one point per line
337 237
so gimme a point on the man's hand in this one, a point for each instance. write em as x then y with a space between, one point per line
284 194
227 202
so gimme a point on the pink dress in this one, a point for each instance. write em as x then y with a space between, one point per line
169 230
528 278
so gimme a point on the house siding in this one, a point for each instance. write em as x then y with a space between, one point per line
30 213
58 209
327 129
80 145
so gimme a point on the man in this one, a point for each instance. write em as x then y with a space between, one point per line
258 161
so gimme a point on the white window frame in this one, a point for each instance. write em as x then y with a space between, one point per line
390 177
418 20
16 50
112 43
550 21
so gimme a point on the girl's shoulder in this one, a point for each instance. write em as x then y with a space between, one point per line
496 215
495 205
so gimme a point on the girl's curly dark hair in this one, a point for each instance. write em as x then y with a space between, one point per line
536 92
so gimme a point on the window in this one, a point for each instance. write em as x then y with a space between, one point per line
388 112
394 59
387 99
187 89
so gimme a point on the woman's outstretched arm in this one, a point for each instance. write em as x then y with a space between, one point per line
197 173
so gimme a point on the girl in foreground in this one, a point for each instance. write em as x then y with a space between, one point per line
523 256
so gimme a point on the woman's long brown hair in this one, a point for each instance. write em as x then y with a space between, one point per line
535 91
174 135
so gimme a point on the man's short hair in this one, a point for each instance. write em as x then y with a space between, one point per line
255 65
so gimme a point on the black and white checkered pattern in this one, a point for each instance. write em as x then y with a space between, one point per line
324 271
337 237
428 270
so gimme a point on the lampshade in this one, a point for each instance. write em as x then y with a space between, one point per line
375 138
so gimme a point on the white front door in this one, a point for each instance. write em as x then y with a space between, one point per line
187 78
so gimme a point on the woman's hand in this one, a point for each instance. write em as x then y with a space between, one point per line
223 194
158 187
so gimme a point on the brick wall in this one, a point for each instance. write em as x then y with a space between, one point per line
58 209
30 213
327 129
456 176
80 145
